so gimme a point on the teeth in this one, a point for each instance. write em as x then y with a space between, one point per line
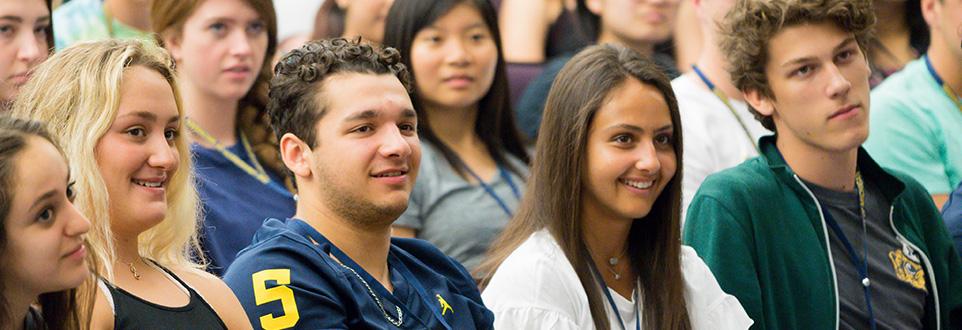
389 174
638 184
149 184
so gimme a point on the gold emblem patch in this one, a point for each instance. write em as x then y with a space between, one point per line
907 270
444 305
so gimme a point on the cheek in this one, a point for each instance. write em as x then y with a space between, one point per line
669 164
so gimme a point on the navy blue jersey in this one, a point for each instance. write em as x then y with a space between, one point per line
288 279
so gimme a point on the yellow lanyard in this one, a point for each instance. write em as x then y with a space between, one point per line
724 99
259 173
945 86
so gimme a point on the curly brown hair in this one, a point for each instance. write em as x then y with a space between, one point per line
750 25
299 75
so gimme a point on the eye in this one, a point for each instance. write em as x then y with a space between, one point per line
479 36
45 215
256 28
71 193
407 127
664 139
7 30
137 132
364 129
622 139
218 28
41 30
845 56
803 71
171 134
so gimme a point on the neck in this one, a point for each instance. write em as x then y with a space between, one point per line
711 62
830 169
135 14
454 126
948 67
605 236
367 246
642 47
216 116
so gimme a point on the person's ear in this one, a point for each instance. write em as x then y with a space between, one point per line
296 155
931 11
761 103
173 44
342 4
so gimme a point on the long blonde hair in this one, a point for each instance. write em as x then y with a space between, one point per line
77 93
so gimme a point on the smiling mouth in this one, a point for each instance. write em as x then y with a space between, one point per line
390 174
637 184
148 184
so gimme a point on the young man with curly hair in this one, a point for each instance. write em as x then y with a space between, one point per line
814 234
348 133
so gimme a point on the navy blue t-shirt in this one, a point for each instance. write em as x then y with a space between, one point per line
234 203
288 279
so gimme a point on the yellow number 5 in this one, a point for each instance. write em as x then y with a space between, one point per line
263 295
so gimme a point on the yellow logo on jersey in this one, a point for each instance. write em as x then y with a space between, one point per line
907 270
444 305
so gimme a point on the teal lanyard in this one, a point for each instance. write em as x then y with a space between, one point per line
945 87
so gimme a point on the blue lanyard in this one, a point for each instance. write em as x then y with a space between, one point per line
409 278
945 87
611 301
724 99
490 191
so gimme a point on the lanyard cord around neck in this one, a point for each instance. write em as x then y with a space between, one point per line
724 99
257 171
860 264
490 191
945 86
611 301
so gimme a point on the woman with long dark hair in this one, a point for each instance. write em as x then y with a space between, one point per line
474 164
596 242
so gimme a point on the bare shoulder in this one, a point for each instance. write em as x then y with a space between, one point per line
217 294
103 312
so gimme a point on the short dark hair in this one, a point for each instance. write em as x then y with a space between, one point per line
750 25
299 76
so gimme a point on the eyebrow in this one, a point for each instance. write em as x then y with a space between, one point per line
845 43
42 198
639 129
17 19
150 116
370 114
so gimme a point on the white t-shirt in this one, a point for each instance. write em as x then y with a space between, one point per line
713 139
537 288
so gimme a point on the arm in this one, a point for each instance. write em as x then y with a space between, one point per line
103 314
687 36
727 247
524 28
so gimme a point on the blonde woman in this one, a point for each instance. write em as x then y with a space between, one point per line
116 107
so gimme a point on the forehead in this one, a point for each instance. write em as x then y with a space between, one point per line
820 39
234 9
345 94
461 16
23 8
633 103
143 90
39 167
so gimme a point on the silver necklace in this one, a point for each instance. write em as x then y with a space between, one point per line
400 315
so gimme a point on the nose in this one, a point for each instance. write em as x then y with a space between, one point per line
838 85
31 48
240 44
163 155
77 223
647 156
458 53
394 144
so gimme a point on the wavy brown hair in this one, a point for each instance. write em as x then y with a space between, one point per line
60 309
750 25
555 192
167 20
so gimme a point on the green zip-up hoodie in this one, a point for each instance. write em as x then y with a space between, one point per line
764 237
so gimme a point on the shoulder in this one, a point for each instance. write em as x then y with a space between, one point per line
746 179
431 257
537 274
905 90
216 293
709 306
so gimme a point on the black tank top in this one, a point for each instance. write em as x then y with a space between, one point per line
132 312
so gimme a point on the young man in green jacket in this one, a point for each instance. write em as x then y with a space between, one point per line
813 234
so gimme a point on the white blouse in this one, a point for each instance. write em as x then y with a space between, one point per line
536 288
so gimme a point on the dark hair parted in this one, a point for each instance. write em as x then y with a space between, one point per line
555 192
495 125
168 18
750 25
299 76
59 309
